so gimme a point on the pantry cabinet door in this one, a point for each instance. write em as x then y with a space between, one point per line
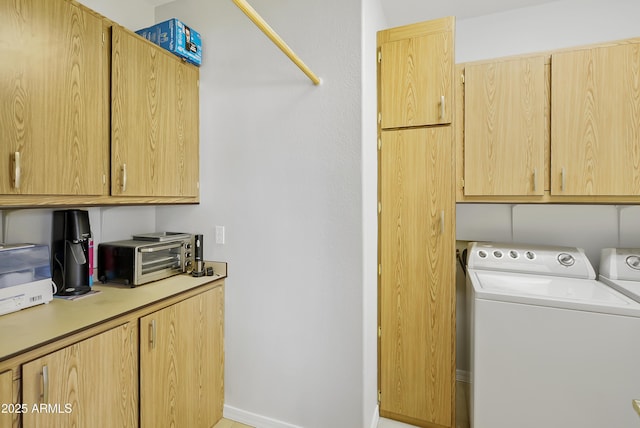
504 136
595 121
416 296
93 383
155 123
181 363
54 140
416 69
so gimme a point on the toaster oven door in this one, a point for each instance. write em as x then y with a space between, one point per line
159 261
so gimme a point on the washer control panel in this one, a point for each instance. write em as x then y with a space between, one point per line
538 259
620 263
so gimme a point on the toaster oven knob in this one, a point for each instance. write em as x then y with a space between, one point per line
187 246
188 255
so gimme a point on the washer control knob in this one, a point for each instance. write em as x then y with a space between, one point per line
482 254
497 254
514 254
566 259
530 255
633 262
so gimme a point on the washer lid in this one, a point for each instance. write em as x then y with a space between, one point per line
542 290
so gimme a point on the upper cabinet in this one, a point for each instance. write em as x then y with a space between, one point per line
557 127
154 132
416 66
504 130
595 121
54 139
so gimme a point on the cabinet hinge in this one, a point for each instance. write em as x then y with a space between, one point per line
379 56
379 143
462 183
379 269
379 207
379 331
104 38
379 118
462 78
379 396
104 179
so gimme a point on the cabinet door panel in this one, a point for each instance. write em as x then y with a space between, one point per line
595 125
51 99
415 75
417 304
504 139
6 397
154 120
92 383
181 362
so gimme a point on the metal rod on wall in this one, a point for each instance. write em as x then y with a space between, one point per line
268 31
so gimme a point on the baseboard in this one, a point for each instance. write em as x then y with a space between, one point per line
376 417
463 376
253 419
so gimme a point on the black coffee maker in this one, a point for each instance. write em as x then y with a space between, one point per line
70 261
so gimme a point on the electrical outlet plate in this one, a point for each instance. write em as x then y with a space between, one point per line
219 234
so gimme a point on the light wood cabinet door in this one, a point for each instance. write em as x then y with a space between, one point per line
53 138
595 121
504 137
7 414
417 289
181 363
416 68
92 383
154 125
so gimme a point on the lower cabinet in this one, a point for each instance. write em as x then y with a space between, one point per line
181 363
7 400
92 383
161 365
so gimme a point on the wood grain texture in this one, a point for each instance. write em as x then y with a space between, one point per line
6 397
415 72
417 301
155 123
181 377
504 144
595 125
51 98
97 377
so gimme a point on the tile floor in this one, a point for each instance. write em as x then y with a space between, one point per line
462 418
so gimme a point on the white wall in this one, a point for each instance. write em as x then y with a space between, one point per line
282 170
549 26
132 14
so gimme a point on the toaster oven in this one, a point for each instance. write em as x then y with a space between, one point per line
139 261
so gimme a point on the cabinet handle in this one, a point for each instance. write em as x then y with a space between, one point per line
442 222
562 179
535 179
45 385
17 170
441 106
124 177
152 334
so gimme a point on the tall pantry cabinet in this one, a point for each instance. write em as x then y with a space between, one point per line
416 224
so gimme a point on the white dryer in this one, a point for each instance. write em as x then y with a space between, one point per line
620 268
550 346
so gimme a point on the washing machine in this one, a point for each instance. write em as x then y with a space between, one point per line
550 345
